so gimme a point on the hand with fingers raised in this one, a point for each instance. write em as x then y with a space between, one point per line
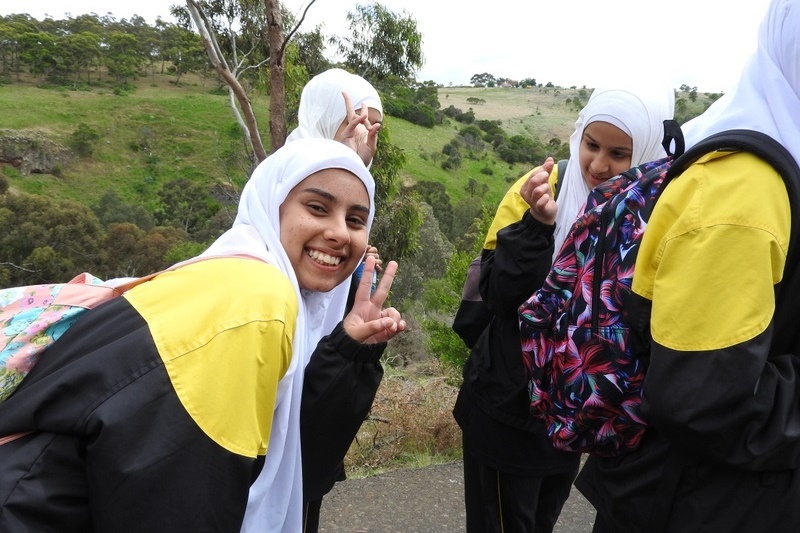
360 134
537 193
368 322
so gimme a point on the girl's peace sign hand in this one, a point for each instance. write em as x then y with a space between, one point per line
368 322
360 134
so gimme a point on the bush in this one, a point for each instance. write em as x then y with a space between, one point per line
419 114
83 139
411 417
445 344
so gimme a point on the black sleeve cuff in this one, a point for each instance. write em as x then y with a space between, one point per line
351 349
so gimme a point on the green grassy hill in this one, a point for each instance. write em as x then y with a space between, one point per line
160 132
152 135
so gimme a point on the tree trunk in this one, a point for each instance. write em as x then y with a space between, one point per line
221 66
277 84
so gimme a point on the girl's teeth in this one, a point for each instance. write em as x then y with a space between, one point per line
323 258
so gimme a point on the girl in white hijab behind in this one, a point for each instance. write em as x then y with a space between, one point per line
327 106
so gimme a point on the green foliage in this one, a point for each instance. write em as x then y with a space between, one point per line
184 251
124 58
435 195
185 204
396 231
445 344
483 80
112 209
389 160
419 114
83 139
465 211
183 49
44 241
310 49
381 43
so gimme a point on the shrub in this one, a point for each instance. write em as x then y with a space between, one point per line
83 139
410 417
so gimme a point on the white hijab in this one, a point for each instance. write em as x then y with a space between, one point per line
639 113
767 96
275 499
322 108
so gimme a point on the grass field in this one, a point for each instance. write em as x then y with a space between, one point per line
152 135
160 132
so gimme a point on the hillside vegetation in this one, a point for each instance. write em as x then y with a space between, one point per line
159 132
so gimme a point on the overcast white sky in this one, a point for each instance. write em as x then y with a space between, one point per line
702 43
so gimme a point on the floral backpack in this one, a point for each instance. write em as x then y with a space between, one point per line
585 371
34 316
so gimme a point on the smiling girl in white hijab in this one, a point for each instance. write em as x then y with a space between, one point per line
275 497
176 406
638 113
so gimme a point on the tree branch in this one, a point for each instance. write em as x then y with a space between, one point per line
220 65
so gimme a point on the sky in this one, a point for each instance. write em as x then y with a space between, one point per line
700 43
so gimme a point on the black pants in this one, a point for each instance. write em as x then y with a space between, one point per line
497 502
311 512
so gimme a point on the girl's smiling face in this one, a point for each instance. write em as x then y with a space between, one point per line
605 151
324 228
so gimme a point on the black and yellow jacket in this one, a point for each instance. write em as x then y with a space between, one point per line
153 412
472 315
715 306
492 407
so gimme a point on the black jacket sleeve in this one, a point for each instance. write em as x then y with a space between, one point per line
341 381
472 315
518 265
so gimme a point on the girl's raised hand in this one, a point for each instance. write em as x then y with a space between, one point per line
368 322
537 193
360 134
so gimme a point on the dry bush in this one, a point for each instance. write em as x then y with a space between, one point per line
411 421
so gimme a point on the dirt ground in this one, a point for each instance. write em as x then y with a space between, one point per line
422 500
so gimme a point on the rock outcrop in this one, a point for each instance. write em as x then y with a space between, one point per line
33 152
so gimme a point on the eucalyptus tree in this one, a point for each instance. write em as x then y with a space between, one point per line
381 43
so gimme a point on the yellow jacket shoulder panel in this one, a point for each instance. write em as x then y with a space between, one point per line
714 248
224 330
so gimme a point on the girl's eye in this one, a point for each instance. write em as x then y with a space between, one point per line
357 221
316 207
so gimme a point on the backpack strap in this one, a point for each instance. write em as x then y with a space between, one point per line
673 135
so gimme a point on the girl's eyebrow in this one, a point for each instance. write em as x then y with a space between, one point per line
328 196
618 148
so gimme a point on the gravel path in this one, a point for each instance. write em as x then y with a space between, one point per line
423 500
